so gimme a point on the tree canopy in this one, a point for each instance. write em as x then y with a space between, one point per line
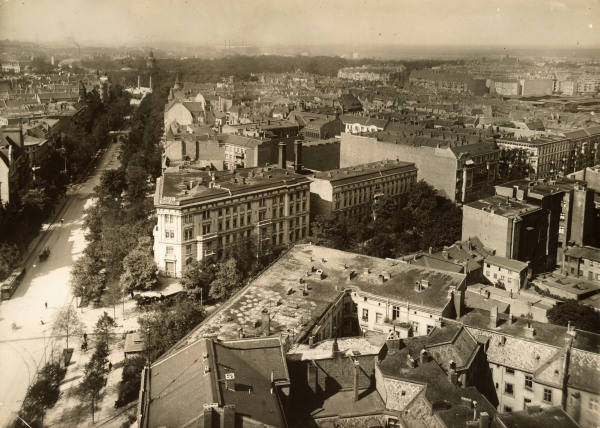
581 316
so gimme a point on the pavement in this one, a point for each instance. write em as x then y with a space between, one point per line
25 323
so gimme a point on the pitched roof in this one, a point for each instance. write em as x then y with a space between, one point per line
510 264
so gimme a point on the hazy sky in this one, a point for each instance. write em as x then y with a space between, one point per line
358 22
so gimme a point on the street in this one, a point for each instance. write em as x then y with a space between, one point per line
25 322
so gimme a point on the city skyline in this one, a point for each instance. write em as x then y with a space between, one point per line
568 23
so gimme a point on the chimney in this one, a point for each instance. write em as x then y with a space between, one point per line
484 420
423 356
445 254
209 417
266 322
453 377
312 377
138 85
298 155
228 418
282 160
458 303
494 317
355 383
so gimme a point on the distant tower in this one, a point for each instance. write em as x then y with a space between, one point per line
150 61
177 84
52 60
82 91
150 82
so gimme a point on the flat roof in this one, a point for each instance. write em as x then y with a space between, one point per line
503 206
293 314
349 346
364 171
537 417
181 186
573 285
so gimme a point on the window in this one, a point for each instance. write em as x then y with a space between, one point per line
205 215
528 382
188 249
510 371
594 404
188 233
365 315
547 395
234 222
378 318
509 388
261 215
526 402
429 329
507 409
188 218
395 312
169 251
205 229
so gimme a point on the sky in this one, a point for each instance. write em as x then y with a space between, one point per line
556 23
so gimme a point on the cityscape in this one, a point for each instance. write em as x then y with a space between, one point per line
300 214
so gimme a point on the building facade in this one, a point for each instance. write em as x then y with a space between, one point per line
201 213
462 173
351 191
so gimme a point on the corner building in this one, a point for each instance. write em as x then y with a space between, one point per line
201 213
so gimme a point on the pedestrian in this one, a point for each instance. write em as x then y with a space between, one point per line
46 304
85 337
42 321
109 366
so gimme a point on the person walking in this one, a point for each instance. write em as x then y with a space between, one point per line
46 304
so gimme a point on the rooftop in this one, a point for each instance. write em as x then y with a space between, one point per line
510 264
180 384
364 171
588 253
182 186
534 417
506 207
293 314
348 346
560 284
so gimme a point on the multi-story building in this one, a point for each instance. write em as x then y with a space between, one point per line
507 88
200 213
446 81
582 262
373 73
538 364
351 191
460 170
569 206
361 124
506 273
558 156
515 229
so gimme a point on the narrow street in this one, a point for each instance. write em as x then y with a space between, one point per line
25 322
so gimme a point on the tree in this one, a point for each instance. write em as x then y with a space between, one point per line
87 279
93 382
129 387
581 316
139 269
9 258
67 323
104 327
195 279
227 279
112 184
42 394
166 324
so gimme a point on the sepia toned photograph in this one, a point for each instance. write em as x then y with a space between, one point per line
300 214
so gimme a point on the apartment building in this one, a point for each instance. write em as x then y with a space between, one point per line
446 81
351 191
558 156
200 213
570 210
538 364
582 262
515 229
505 273
461 170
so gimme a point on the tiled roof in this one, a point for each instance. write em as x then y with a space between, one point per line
584 371
510 264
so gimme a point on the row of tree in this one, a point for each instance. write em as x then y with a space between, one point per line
118 258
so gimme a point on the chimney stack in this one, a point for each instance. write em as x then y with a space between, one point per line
355 383
423 356
266 322
494 317
298 155
282 160
484 420
138 85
